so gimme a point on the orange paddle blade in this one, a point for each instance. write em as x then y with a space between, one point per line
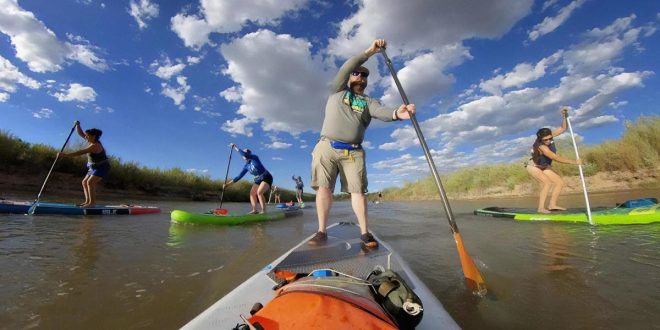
473 278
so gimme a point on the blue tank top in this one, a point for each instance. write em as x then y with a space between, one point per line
96 158
544 161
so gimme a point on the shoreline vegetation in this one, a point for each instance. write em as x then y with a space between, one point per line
631 162
23 167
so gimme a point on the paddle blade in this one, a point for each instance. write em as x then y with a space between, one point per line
32 208
473 278
220 211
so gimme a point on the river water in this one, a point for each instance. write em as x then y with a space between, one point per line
143 272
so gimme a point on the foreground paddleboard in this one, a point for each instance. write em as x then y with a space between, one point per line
343 253
22 207
206 218
600 216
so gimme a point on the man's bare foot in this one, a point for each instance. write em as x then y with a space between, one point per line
556 208
543 211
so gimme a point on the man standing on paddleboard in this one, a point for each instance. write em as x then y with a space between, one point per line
348 113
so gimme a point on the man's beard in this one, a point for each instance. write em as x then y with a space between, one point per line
358 87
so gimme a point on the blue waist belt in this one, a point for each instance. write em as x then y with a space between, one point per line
344 145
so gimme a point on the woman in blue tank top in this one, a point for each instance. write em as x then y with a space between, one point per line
543 153
97 162
262 179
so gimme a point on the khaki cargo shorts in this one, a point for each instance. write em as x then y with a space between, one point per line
327 162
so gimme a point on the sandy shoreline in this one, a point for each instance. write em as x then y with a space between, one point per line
13 185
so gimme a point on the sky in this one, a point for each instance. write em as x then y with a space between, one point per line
172 83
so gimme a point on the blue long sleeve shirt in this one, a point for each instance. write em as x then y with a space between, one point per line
253 165
299 183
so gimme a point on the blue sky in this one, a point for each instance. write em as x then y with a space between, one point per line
172 83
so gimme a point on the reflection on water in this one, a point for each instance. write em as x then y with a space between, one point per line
86 248
556 249
146 272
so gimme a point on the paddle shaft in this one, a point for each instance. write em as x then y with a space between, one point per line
51 169
470 271
584 184
222 194
425 148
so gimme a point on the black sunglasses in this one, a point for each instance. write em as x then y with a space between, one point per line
360 73
546 139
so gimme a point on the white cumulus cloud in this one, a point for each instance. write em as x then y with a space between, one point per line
550 24
487 120
522 74
176 92
143 11
165 69
39 47
597 121
240 126
424 25
76 92
10 77
279 145
229 16
278 83
44 113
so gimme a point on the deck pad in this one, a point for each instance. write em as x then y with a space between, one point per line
342 252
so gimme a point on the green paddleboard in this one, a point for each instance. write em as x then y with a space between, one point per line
600 216
203 218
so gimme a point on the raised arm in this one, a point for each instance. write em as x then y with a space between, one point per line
341 79
79 130
564 124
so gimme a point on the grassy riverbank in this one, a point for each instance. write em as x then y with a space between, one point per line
23 167
628 163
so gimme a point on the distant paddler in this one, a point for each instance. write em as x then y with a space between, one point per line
299 188
97 162
276 192
262 179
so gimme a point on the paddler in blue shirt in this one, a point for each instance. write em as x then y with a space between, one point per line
262 178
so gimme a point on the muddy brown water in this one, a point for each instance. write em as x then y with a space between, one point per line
143 272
